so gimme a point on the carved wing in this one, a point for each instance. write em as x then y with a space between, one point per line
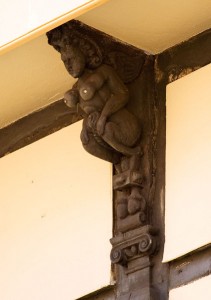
128 68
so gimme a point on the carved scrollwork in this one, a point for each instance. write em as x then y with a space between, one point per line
117 256
141 242
145 244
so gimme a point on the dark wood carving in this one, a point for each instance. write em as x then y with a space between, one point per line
109 129
133 244
114 94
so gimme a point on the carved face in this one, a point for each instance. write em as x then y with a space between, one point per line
74 60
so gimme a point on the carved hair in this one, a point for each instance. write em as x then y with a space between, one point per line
68 34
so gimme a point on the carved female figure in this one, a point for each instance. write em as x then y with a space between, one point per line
109 129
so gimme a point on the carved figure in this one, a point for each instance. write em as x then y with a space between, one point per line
109 129
108 126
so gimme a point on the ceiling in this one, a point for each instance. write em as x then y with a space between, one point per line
152 25
32 75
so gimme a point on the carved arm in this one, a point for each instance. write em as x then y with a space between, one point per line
119 95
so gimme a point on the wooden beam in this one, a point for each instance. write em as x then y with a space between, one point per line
36 126
190 268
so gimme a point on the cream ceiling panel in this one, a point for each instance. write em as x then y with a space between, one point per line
152 25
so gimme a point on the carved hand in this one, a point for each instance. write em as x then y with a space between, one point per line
92 120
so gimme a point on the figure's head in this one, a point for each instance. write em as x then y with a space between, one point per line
73 59
77 51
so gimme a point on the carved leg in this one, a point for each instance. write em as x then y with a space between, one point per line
110 136
94 148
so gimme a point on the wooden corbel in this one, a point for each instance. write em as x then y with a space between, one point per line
115 94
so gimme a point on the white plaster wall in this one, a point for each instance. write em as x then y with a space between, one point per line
198 290
188 164
55 220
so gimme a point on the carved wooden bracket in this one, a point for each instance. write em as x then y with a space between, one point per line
114 93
